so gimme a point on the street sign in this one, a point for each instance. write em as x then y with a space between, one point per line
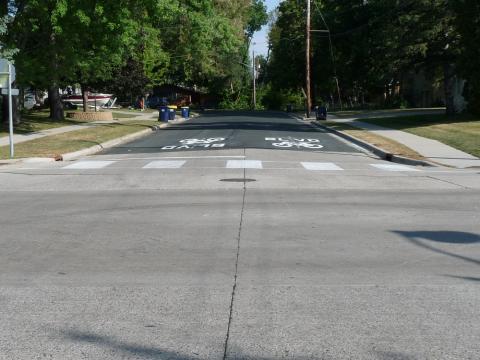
15 92
4 73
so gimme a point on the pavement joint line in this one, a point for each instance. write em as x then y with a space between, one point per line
234 288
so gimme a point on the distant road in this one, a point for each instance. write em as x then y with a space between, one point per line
237 130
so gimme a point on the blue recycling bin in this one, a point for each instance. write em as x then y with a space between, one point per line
163 113
185 112
171 114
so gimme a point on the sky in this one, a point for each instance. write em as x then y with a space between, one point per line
261 37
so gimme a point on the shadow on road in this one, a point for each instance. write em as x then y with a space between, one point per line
468 278
157 353
447 237
423 239
244 125
139 351
246 113
391 355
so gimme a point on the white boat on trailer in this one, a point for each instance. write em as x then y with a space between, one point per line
94 99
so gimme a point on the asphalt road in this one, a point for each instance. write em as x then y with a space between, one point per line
236 130
238 252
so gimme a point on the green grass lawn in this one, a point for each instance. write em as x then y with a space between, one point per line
388 145
353 113
36 121
461 132
50 146
137 111
133 115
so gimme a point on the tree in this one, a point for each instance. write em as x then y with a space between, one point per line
89 42
257 17
8 54
287 40
67 42
468 25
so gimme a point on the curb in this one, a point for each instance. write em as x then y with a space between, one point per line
374 149
100 147
108 144
118 141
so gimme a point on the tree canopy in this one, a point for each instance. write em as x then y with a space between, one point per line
376 43
147 42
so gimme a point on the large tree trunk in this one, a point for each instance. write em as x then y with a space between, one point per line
449 83
85 97
56 106
16 113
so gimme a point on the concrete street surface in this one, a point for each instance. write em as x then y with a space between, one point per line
284 243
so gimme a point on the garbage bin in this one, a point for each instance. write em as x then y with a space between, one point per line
289 107
321 112
171 114
163 113
185 112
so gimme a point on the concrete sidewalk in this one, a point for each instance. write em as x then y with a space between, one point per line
432 150
20 138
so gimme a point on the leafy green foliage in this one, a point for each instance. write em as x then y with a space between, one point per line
468 24
134 43
375 43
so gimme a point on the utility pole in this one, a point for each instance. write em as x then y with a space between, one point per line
254 81
307 69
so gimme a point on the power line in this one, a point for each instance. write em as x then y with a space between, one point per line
332 54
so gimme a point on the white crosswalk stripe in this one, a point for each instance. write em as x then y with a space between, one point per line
244 164
165 164
393 167
239 164
84 165
321 166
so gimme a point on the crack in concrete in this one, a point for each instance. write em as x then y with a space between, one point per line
234 288
450 182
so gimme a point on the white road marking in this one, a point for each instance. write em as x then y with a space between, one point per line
181 157
244 164
392 167
164 165
289 142
88 165
318 166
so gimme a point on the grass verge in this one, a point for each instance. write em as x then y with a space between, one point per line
358 112
37 120
51 146
390 146
133 115
461 132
